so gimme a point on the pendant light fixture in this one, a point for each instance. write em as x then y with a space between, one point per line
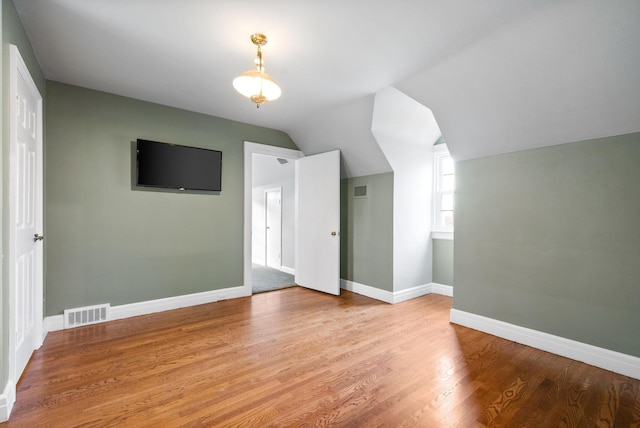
256 84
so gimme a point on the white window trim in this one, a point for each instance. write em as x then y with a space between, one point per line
445 236
437 231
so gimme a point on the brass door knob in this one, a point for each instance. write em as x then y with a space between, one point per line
334 233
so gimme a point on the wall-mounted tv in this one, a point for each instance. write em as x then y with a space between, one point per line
178 167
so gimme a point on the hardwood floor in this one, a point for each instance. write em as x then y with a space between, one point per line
296 357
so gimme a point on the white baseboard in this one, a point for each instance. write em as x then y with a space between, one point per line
445 290
411 293
396 296
177 302
56 322
286 269
7 400
366 290
53 323
617 362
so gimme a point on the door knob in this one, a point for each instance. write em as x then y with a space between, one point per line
37 238
334 233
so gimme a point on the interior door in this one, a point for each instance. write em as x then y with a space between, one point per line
317 236
25 204
273 228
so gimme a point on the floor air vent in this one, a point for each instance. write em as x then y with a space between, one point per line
85 316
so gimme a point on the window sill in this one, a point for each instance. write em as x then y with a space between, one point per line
442 235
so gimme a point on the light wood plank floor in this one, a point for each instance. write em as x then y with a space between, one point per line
295 357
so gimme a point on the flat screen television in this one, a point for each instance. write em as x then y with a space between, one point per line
178 167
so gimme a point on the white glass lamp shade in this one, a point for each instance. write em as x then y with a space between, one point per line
257 85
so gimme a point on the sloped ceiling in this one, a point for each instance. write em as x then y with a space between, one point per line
565 72
498 75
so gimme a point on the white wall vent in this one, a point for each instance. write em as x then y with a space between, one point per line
360 191
84 316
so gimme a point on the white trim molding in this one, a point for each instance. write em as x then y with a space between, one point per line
395 296
445 290
53 323
411 293
7 400
617 362
444 236
439 231
366 290
56 322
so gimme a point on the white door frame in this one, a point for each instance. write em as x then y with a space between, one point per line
277 190
19 68
249 150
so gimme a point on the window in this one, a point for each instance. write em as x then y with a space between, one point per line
444 185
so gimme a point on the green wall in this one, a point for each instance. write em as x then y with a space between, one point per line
366 238
12 33
443 261
549 239
107 242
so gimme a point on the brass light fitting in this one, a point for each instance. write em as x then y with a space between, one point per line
256 84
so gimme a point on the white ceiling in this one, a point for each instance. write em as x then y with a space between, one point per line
499 75
267 170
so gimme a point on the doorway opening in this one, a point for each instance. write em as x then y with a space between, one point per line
272 218
316 240
273 223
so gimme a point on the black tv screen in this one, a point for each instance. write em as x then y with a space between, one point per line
178 167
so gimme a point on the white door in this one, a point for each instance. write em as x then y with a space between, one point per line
273 228
25 218
318 222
